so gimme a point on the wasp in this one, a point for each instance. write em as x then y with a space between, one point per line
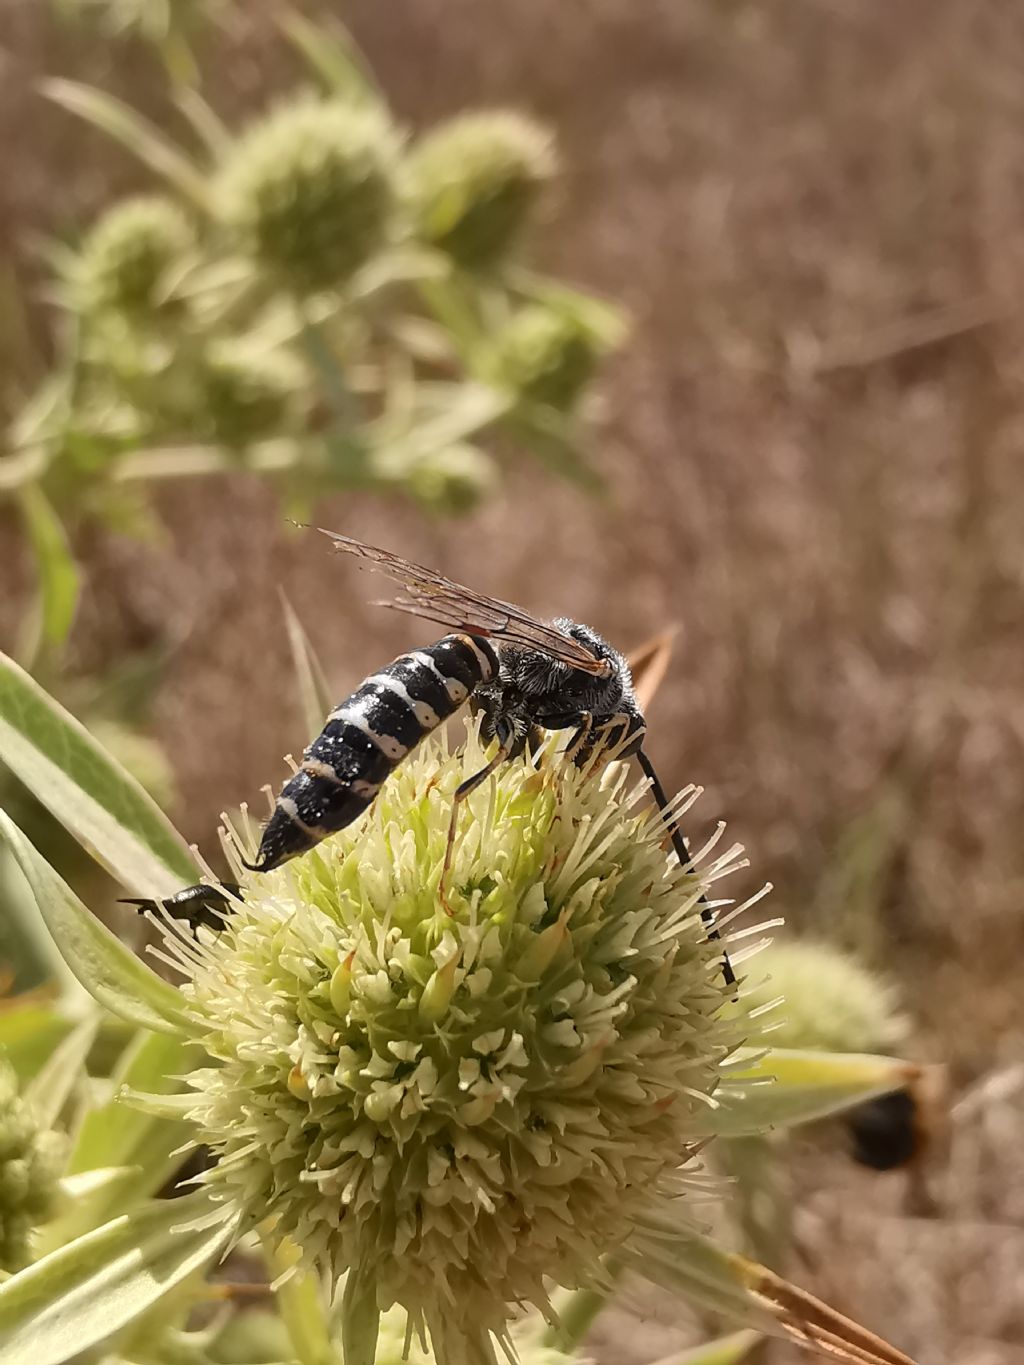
523 675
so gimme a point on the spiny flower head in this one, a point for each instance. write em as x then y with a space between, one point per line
30 1162
308 192
126 259
830 1000
473 181
245 392
545 355
458 1108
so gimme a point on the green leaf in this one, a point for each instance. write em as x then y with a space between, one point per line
86 790
309 673
204 121
109 971
722 1351
50 1090
675 1258
459 411
786 1087
29 1032
88 1290
86 1202
119 121
27 945
118 1133
56 571
333 56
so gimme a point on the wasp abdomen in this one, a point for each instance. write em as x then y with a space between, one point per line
366 736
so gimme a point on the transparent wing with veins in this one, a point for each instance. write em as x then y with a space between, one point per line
430 595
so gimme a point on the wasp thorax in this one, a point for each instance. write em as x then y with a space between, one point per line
463 1107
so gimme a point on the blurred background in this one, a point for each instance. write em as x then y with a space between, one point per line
769 390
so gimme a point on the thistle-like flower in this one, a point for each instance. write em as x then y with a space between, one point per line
473 181
124 262
457 1110
30 1162
308 191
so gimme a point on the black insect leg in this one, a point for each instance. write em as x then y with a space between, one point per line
506 742
683 854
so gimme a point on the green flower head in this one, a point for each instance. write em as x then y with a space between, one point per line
473 181
30 1162
308 191
458 1109
244 393
125 261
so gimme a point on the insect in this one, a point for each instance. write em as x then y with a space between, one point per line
523 675
200 904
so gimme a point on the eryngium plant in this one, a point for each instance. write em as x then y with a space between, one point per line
445 1116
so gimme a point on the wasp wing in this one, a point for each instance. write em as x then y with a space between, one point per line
430 595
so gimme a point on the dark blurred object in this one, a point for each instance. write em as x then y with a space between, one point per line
182 1182
885 1131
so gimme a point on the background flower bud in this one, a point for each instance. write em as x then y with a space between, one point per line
244 393
545 355
308 192
831 1002
473 181
124 262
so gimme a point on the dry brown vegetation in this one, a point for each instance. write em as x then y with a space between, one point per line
815 212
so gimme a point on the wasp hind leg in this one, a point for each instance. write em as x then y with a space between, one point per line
506 742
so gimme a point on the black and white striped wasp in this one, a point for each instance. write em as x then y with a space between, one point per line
523 675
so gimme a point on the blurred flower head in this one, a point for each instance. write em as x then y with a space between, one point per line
473 181
307 191
456 1110
30 1162
831 1001
125 262
245 392
545 355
